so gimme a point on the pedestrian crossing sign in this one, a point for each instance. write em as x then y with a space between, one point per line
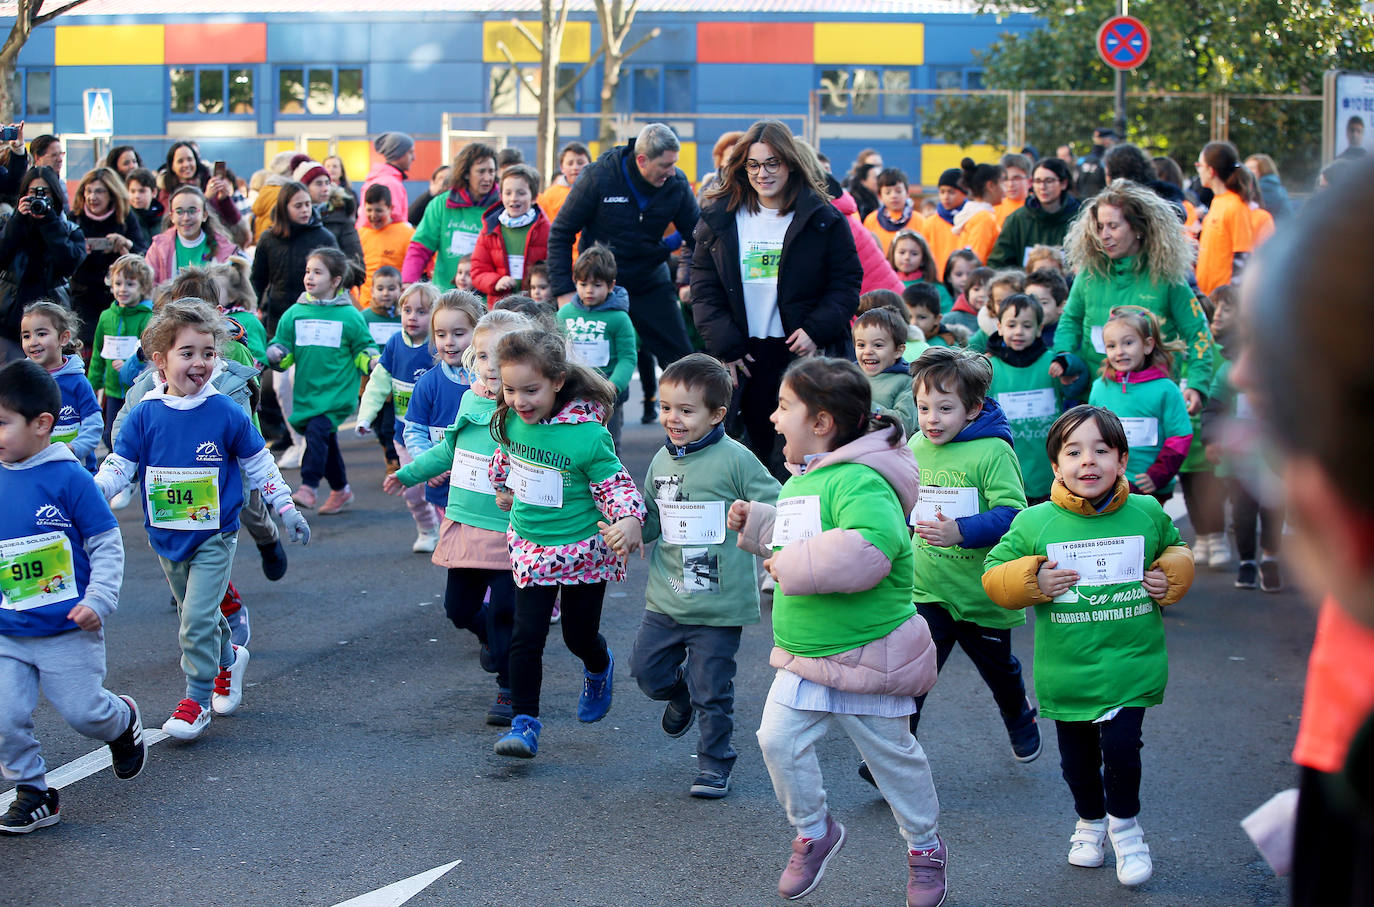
99 107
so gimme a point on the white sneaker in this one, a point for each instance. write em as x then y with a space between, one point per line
188 721
291 457
1086 845
1221 550
1202 549
228 694
426 541
1133 864
123 499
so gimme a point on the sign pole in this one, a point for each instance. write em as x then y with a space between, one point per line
1121 87
1123 43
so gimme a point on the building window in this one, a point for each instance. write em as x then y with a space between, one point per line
654 89
320 91
211 91
511 92
31 94
866 93
959 79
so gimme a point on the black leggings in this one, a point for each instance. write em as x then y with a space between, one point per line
581 608
1249 518
1101 763
322 458
1205 496
758 398
493 624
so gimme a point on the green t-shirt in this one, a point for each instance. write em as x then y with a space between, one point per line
555 463
326 340
603 339
1104 648
857 497
450 233
1032 401
117 335
953 577
1150 411
892 396
466 449
692 579
255 335
190 256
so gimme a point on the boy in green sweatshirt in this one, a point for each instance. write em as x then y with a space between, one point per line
117 331
702 587
598 327
879 343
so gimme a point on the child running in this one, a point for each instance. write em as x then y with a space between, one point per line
1135 384
472 539
116 332
382 322
879 344
405 359
597 324
61 565
556 468
326 338
46 331
186 442
1098 564
702 587
848 644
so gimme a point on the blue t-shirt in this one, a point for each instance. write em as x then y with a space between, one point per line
406 365
78 402
57 497
177 451
434 406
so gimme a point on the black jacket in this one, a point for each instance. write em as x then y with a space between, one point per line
278 274
90 295
338 218
39 256
819 277
603 207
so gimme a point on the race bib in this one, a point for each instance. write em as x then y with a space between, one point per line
759 261
185 499
382 331
436 433
693 522
595 353
939 499
1028 404
470 472
516 263
461 243
113 348
1141 432
319 332
538 486
796 519
36 571
1100 562
400 396
65 434
1098 343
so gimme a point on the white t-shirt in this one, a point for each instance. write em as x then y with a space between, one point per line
760 248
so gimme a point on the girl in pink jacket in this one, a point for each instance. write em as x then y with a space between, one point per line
848 643
194 239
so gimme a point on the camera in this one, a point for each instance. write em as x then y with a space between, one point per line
39 206
9 133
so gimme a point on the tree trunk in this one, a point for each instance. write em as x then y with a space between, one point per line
610 78
547 132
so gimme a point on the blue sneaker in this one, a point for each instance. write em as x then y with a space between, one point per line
522 740
595 700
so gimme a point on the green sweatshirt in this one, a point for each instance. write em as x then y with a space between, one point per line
953 577
1105 648
857 497
1093 297
449 232
562 460
255 335
602 338
331 346
1151 411
1032 401
466 449
116 338
892 396
696 581
1197 455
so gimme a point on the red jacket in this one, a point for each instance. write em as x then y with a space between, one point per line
489 262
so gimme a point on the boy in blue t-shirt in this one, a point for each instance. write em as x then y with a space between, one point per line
61 565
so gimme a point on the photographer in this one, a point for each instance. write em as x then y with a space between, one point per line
39 250
14 160
101 209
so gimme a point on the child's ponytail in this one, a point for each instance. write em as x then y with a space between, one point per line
547 353
348 271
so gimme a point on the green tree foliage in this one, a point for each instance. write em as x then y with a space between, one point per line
1279 47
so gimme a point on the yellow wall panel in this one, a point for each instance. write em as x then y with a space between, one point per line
577 42
687 160
356 157
273 147
937 158
108 45
888 44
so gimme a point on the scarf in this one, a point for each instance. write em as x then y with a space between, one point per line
947 214
889 224
515 223
711 437
1016 358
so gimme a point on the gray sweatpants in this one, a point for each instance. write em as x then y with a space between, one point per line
199 585
70 669
256 517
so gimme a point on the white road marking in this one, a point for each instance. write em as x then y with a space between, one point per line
84 767
399 892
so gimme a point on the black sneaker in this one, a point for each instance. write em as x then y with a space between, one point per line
1270 579
678 716
650 415
865 774
31 810
485 659
711 785
1025 741
129 750
273 560
1247 577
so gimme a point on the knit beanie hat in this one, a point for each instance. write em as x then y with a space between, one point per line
391 145
952 177
308 171
284 162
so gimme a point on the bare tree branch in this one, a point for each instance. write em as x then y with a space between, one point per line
572 83
48 17
515 69
529 36
653 33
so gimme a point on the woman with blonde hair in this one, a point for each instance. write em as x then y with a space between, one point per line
100 207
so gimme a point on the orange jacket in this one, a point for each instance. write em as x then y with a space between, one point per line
939 235
1226 233
551 199
979 233
1262 223
382 247
1340 689
885 236
1003 211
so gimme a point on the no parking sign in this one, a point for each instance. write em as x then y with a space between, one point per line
1123 42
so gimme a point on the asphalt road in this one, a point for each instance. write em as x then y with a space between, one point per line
360 757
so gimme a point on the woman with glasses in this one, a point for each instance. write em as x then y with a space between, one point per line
100 207
39 249
194 239
775 275
1043 220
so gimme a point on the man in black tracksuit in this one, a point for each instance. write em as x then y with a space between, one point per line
626 201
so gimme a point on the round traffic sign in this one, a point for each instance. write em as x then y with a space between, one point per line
1123 42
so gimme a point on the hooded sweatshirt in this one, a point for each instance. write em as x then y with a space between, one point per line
80 423
892 395
1155 416
1032 225
402 364
434 404
55 516
116 338
330 344
977 478
447 232
602 337
975 225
